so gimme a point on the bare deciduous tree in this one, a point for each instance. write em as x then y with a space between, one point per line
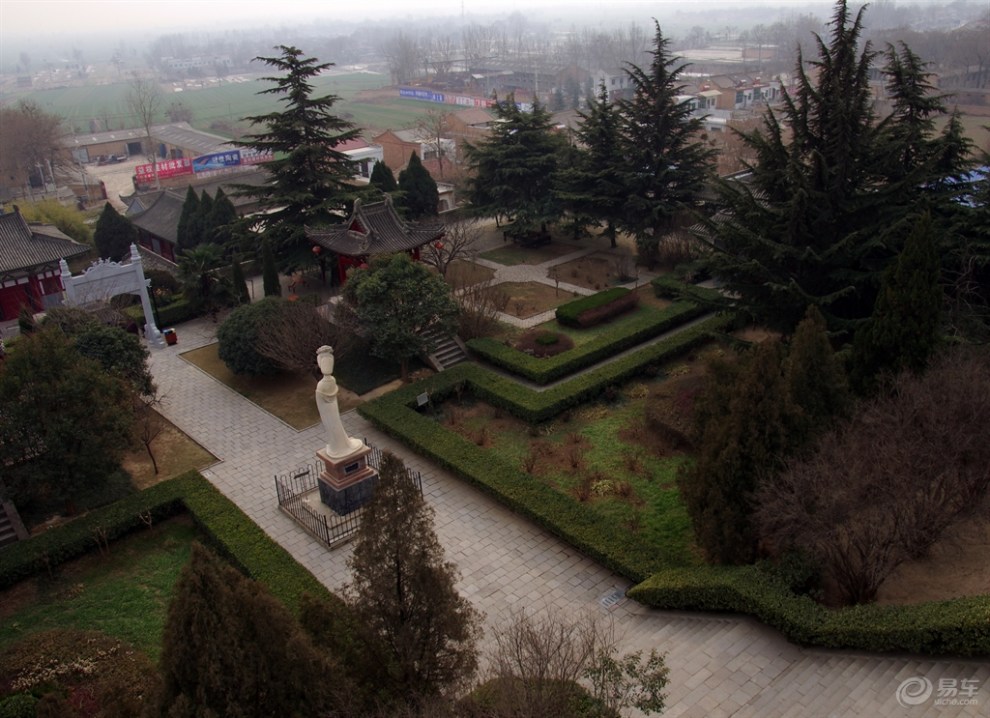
882 488
434 128
291 337
460 241
480 304
539 659
149 424
144 98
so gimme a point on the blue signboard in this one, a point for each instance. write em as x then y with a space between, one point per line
216 161
416 94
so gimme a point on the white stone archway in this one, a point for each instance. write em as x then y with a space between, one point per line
105 279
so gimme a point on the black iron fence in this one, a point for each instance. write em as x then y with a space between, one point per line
298 489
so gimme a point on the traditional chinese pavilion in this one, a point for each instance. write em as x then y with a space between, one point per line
371 230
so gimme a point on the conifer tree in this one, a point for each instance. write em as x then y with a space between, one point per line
382 178
187 230
308 175
593 184
238 284
404 592
742 420
203 219
903 331
829 184
222 218
231 649
114 234
419 191
665 162
514 168
269 272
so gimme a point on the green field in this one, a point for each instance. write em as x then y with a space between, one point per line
228 102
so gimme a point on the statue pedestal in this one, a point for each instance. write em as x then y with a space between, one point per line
346 482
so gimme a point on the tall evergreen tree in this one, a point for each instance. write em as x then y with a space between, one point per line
514 168
231 649
204 218
114 234
742 419
404 592
813 226
903 331
665 162
223 217
269 272
382 178
419 191
187 231
308 175
594 183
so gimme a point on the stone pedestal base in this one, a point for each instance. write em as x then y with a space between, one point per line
346 483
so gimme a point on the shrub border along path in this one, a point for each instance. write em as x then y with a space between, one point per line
719 665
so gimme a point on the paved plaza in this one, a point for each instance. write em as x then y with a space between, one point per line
720 665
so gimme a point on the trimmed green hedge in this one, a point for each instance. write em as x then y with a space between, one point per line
667 287
545 370
235 535
607 303
959 627
576 523
175 313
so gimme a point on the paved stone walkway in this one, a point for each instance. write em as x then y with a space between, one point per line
719 665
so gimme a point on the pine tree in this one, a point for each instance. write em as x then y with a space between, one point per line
269 273
593 184
231 649
404 593
187 232
903 331
419 191
309 177
829 184
222 218
114 234
666 165
382 178
203 219
741 426
238 284
514 168
814 380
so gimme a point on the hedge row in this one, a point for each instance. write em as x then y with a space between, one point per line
576 523
959 627
545 370
235 535
667 287
175 313
596 308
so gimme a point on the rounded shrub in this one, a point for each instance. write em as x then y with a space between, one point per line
238 337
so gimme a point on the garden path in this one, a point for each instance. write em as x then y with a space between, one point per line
720 665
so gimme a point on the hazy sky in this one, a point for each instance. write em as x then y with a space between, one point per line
21 17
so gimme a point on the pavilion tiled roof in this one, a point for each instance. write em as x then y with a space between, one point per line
159 215
26 246
374 229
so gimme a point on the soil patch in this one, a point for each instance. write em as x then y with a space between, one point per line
543 343
287 396
957 566
462 273
175 453
755 334
596 271
527 299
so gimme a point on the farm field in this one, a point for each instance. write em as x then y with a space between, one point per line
228 101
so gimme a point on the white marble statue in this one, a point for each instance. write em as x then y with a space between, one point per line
339 444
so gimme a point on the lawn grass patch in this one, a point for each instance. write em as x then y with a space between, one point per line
124 592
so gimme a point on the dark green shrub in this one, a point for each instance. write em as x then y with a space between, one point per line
238 337
596 308
180 310
548 339
19 705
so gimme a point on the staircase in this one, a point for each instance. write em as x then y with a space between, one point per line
447 350
11 528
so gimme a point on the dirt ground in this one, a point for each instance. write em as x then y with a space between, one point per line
531 298
595 271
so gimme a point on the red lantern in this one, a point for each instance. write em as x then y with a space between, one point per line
438 244
317 249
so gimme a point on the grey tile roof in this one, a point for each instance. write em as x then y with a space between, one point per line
26 246
374 229
160 214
